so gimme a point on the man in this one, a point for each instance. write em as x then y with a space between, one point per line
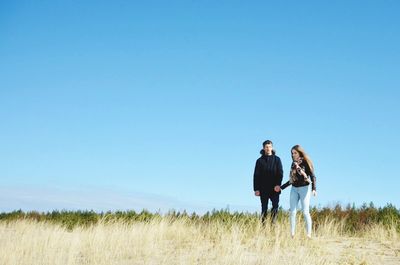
268 176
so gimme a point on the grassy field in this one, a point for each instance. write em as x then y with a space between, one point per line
215 238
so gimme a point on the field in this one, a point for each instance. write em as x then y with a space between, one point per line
341 236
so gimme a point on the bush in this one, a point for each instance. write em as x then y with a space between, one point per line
354 219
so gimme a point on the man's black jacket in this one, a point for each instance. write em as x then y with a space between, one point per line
268 173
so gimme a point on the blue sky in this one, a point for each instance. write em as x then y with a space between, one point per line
164 104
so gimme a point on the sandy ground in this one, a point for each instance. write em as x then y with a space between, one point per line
360 251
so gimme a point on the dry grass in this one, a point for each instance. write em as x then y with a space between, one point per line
182 241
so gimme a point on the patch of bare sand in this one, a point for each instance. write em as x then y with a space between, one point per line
350 250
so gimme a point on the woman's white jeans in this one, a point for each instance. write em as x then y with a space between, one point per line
303 195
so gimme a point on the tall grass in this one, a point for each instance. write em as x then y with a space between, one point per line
366 235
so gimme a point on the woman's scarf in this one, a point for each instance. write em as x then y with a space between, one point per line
296 170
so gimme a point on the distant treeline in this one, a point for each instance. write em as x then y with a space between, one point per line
351 218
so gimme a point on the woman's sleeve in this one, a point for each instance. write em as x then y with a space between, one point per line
284 186
314 182
312 177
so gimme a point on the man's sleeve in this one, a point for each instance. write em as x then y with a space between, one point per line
279 172
256 178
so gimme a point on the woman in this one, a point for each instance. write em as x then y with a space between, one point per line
301 176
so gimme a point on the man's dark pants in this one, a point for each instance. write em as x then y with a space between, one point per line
265 197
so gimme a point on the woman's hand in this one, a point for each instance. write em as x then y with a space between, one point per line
314 193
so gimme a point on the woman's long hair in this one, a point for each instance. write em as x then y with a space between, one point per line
304 156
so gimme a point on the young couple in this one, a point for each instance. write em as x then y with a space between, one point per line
268 175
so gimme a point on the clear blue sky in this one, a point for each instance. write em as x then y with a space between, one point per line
112 105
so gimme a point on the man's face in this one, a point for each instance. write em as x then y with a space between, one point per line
268 149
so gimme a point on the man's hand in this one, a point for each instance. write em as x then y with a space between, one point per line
277 188
257 193
314 192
